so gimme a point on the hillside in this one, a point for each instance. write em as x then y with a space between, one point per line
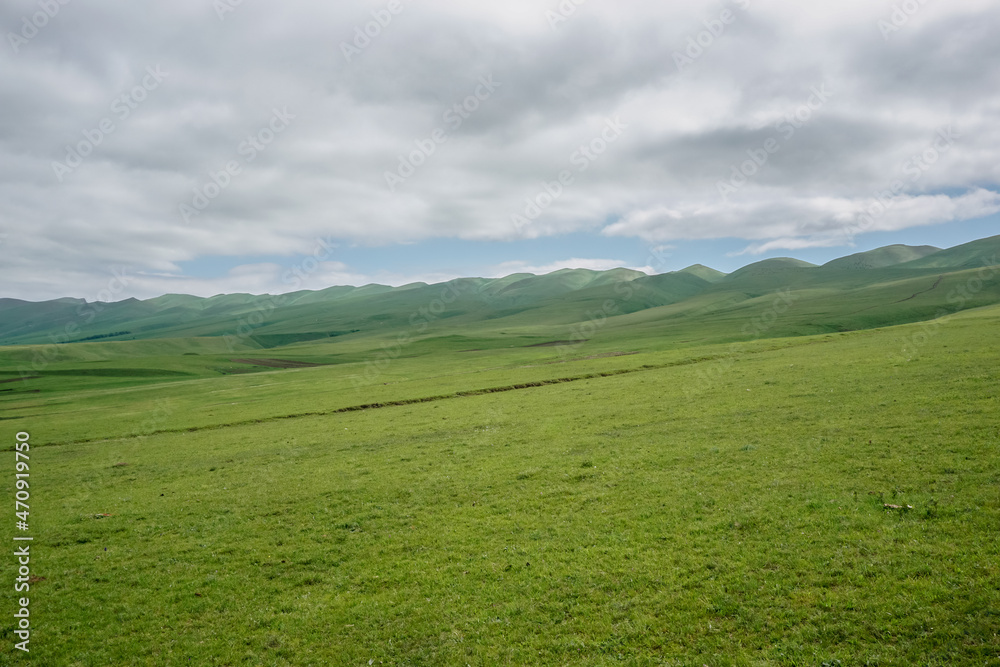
644 504
546 446
983 252
882 257
876 288
704 272
769 267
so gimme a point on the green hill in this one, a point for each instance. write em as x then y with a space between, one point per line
768 267
984 252
882 257
704 272
876 288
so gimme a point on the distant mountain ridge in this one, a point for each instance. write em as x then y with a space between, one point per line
768 267
881 257
966 256
704 272
518 300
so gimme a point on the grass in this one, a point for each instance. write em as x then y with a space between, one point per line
687 505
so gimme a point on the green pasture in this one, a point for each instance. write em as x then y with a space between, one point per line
698 497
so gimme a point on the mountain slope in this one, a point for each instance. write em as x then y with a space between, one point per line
768 267
865 289
704 272
882 257
975 254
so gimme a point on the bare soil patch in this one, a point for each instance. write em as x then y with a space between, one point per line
33 377
553 343
276 363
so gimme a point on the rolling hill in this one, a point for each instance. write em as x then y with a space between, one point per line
890 285
882 257
966 256
704 272
734 456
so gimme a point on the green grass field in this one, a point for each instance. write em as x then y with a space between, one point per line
659 495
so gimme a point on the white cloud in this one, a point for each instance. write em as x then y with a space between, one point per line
789 244
507 268
260 278
796 223
324 174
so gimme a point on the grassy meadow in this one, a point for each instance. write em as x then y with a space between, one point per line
700 498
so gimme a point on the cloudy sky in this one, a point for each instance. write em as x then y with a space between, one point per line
208 146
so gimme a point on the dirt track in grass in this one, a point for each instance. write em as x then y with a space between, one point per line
276 363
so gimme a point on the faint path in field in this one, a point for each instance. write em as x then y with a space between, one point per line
276 363
509 367
936 283
33 377
914 295
439 397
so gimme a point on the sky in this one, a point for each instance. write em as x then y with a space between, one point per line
220 146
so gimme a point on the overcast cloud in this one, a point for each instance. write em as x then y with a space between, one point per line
219 127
